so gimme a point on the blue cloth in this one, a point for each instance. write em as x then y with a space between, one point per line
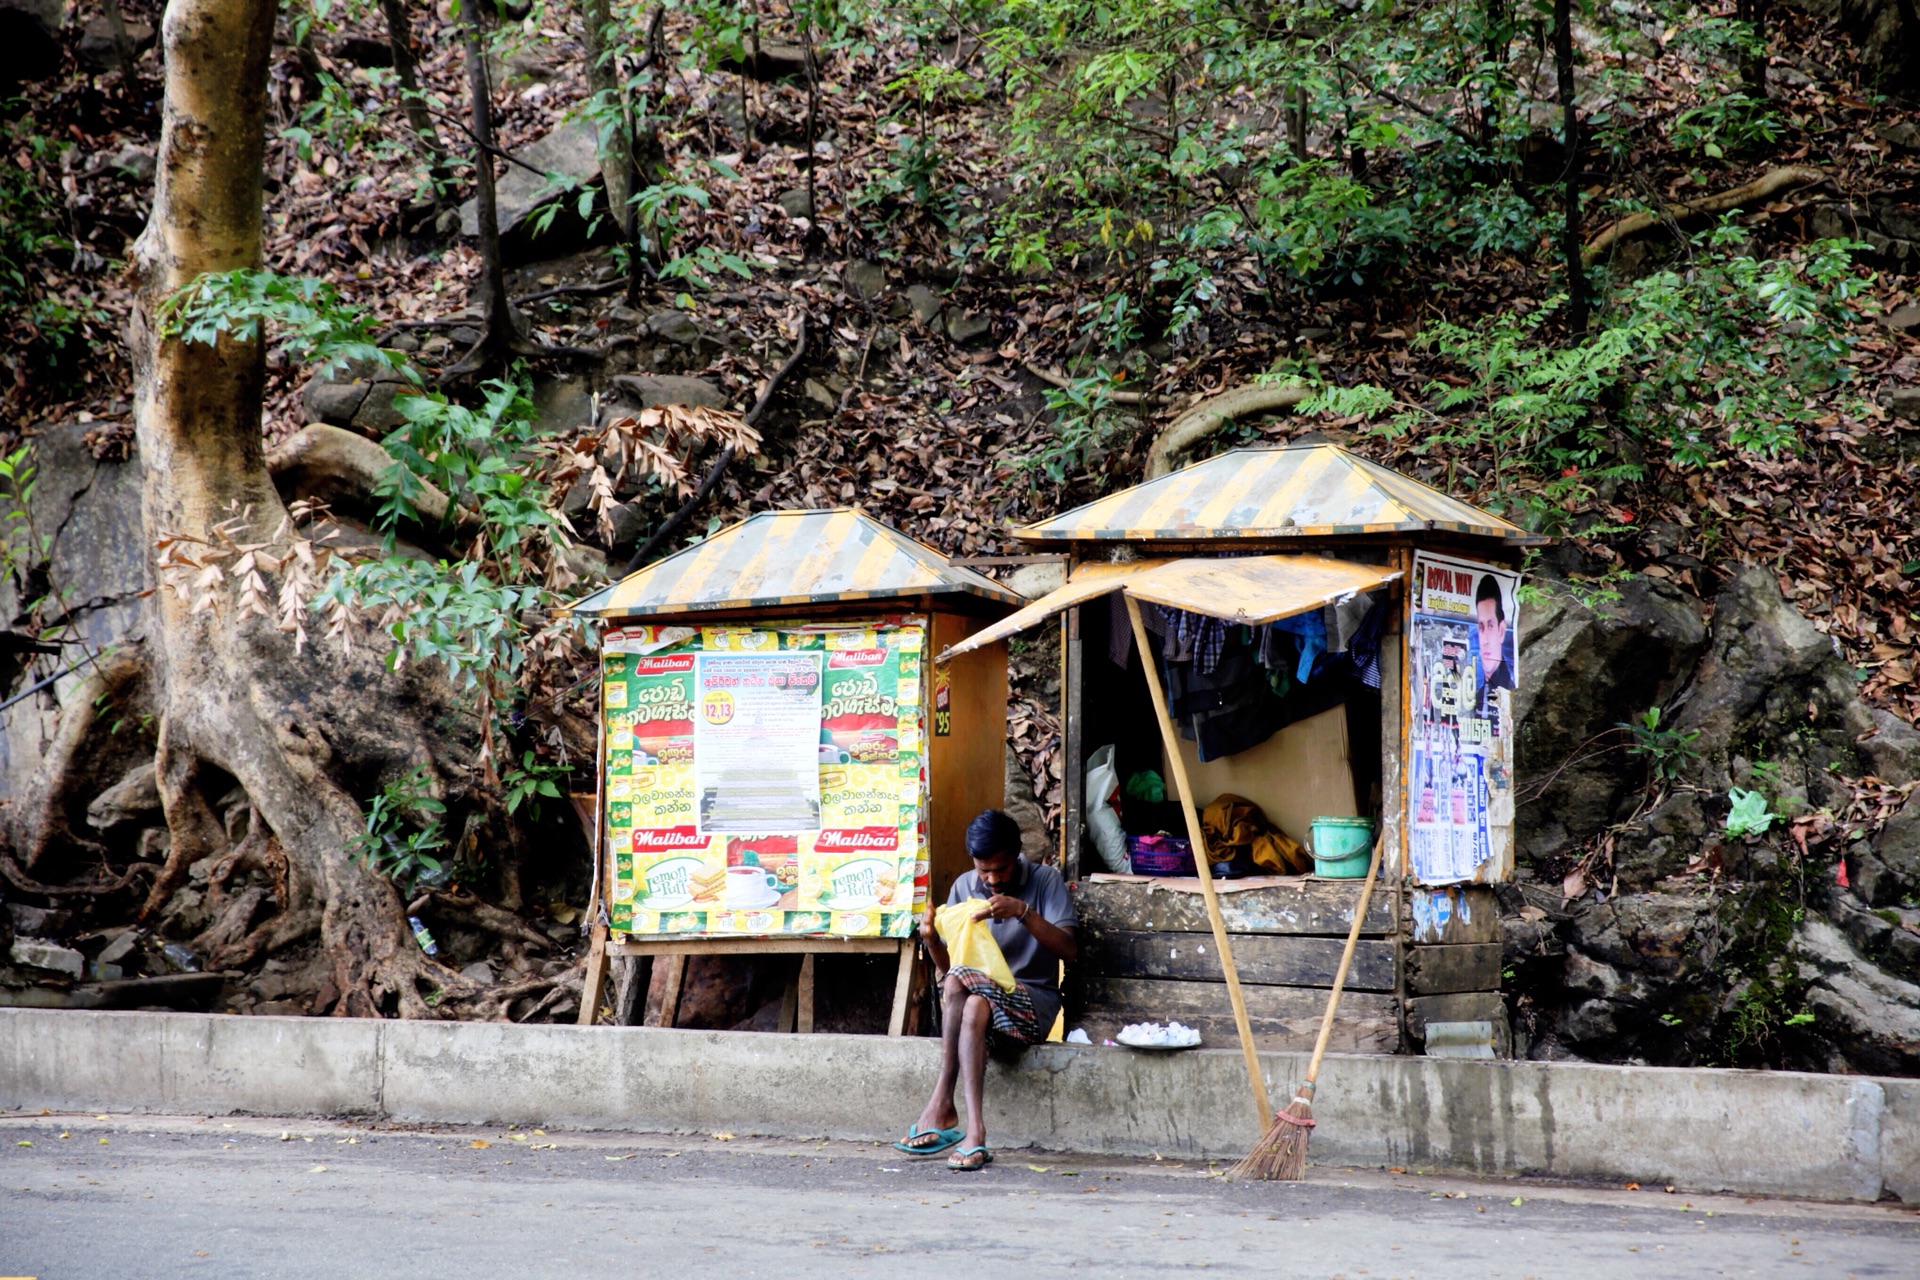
1311 630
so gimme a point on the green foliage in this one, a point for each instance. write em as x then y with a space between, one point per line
478 458
313 325
1669 753
1086 425
403 832
19 547
1749 815
528 781
48 328
1722 356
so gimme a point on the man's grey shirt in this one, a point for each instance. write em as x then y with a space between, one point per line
1033 965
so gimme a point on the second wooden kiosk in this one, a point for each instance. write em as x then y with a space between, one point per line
1336 640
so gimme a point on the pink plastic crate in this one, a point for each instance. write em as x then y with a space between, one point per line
1160 855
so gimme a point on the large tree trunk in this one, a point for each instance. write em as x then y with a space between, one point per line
235 702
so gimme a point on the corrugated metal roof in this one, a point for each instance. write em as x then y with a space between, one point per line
1300 491
781 558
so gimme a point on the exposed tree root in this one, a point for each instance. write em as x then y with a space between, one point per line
1204 419
1062 381
194 829
98 886
44 823
476 914
280 932
1767 184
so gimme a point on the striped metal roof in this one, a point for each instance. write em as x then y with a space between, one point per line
1300 491
780 558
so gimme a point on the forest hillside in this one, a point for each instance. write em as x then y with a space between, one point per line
543 290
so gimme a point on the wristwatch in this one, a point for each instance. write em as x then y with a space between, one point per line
1026 912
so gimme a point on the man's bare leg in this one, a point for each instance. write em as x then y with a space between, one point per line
940 1112
974 1023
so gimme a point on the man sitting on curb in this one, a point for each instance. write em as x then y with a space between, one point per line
1033 922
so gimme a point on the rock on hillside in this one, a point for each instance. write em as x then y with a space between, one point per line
1638 928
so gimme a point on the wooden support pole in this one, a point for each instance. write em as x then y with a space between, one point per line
803 1017
903 987
1198 837
595 982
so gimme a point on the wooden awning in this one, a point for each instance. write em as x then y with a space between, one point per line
1248 590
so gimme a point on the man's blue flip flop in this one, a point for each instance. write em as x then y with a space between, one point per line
948 1138
961 1161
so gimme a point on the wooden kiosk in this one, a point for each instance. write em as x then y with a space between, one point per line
1412 733
781 770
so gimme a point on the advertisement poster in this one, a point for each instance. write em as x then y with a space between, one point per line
765 781
1463 664
756 737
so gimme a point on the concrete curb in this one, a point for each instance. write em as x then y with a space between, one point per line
1747 1132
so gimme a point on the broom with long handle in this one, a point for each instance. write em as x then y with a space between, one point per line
1281 1155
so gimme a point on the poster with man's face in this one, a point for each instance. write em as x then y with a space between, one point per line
1462 671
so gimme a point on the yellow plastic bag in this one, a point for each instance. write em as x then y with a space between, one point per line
970 942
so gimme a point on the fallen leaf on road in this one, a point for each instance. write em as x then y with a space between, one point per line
1633 1186
99 1117
723 1137
103 1142
518 1137
479 1143
1517 1201
627 1156
319 1168
1040 1168
23 1143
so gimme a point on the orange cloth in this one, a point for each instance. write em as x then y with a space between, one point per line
1234 825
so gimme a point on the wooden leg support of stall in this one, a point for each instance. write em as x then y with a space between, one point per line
797 1007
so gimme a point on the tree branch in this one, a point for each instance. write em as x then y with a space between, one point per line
692 504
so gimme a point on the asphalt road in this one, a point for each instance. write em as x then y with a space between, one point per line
131 1197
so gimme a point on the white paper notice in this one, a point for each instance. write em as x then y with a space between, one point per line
756 742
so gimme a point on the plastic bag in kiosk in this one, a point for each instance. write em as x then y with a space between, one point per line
1103 810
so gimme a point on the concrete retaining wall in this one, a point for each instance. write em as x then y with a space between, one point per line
1755 1133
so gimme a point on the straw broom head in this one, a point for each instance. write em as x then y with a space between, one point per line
1281 1153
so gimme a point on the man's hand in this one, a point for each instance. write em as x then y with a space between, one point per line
927 932
1001 907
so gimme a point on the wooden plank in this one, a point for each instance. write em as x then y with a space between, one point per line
595 981
790 1004
631 976
803 1017
1290 907
751 946
1463 1006
1473 966
671 973
1282 1019
1456 914
903 992
966 766
1260 958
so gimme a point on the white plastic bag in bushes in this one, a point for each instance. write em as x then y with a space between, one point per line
1103 810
